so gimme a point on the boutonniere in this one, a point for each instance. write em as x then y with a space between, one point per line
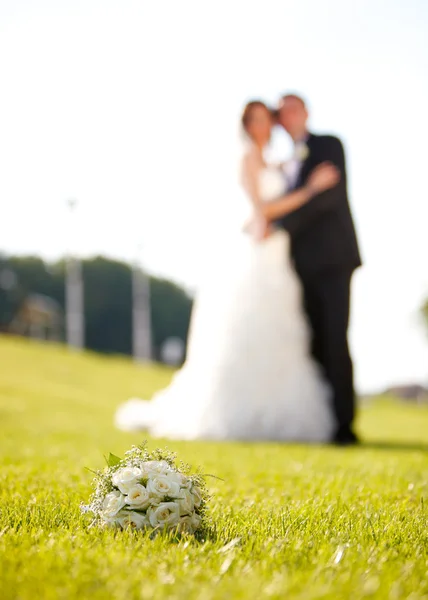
302 152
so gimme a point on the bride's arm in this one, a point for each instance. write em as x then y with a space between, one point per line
288 203
251 167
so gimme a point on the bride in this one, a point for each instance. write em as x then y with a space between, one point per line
248 374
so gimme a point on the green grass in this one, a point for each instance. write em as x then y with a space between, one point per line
289 521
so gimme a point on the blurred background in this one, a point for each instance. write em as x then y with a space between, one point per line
119 153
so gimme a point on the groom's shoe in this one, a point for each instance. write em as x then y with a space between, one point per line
344 436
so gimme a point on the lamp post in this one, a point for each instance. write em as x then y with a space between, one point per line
141 317
75 319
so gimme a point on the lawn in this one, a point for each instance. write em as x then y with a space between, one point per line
289 521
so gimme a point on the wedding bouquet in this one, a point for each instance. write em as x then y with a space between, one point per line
146 490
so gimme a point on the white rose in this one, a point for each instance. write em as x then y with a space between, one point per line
129 518
179 478
185 525
186 502
112 504
197 496
196 521
167 514
156 467
160 486
138 497
173 476
126 478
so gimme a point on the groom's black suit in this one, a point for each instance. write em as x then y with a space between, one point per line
325 252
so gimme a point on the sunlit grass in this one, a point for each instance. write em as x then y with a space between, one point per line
287 521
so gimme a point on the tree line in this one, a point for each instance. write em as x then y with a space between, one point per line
107 300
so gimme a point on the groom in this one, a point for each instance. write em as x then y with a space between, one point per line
325 252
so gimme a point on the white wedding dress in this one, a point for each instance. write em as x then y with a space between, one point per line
248 374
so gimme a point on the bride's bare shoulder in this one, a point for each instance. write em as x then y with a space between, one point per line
252 154
252 160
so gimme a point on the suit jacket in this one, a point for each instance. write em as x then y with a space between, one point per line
322 231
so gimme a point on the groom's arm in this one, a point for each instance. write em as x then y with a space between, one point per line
300 219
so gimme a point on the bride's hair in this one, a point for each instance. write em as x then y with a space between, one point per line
248 109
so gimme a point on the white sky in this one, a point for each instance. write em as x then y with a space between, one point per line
132 107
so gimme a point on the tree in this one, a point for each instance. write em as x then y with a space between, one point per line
170 309
108 305
31 275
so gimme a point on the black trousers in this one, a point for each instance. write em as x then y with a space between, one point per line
327 303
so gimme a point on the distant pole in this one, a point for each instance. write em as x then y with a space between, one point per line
75 319
141 317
